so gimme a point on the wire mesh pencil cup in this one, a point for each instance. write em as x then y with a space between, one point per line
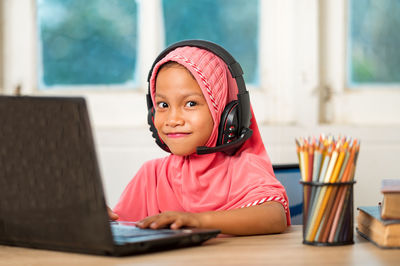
328 213
327 169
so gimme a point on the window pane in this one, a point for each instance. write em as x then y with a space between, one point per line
374 42
87 42
232 24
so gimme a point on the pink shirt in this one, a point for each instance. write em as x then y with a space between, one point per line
211 182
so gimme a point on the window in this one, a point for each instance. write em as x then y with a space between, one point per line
241 28
359 58
87 42
374 55
233 24
310 61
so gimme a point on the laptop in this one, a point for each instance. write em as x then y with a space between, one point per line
51 194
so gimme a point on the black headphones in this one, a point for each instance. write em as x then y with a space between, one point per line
233 129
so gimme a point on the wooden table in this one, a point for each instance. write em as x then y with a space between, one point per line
280 249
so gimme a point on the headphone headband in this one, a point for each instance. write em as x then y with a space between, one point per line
233 66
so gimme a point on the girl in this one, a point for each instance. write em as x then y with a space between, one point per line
237 194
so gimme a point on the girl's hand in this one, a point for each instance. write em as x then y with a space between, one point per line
173 219
112 215
267 218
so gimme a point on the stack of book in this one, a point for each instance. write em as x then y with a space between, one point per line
381 224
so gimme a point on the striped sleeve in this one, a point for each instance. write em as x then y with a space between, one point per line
269 198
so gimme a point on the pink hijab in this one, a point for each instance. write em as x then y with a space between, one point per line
198 183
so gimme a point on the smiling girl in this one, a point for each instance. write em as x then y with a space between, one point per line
237 193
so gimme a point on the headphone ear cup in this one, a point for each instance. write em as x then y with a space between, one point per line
154 132
228 129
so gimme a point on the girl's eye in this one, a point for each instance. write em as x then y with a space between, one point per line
162 105
191 104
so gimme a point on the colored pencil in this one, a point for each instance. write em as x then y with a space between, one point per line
327 160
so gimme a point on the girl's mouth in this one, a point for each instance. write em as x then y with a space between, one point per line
177 135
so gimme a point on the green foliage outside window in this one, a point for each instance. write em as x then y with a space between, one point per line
233 24
374 42
87 42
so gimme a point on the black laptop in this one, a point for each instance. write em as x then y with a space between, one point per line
51 195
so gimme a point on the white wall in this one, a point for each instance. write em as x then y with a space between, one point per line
122 152
301 58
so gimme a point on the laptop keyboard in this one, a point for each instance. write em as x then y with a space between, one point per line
125 232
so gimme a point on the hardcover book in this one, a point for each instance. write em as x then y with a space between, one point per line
383 233
391 199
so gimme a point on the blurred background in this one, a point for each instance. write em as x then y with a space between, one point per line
311 67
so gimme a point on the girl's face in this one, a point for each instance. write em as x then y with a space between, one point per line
182 117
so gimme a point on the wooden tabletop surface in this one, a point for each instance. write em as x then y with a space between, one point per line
280 249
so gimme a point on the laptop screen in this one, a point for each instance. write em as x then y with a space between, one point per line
50 186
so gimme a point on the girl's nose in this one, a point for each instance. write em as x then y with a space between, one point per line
174 118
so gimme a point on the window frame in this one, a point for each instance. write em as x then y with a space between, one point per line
363 106
285 77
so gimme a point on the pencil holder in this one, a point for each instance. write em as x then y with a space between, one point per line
327 167
328 215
